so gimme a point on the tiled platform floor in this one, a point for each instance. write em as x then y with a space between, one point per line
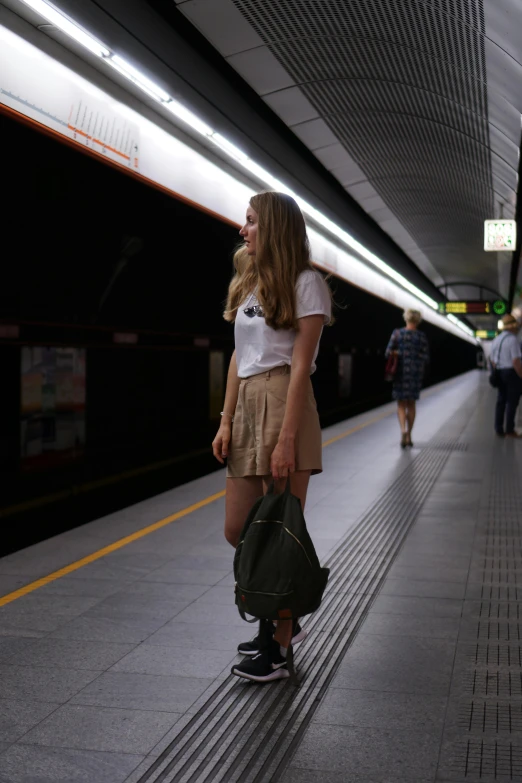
100 668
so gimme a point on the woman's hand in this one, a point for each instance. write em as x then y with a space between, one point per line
220 444
282 461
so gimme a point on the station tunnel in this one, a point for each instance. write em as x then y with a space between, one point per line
134 136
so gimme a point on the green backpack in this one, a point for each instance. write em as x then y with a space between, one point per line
276 568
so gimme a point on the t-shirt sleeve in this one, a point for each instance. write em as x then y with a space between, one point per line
313 297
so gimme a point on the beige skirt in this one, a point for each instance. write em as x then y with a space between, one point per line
258 419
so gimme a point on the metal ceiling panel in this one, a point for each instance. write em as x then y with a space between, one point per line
260 68
504 115
504 74
361 190
506 173
292 106
223 25
348 173
421 101
502 20
316 134
335 157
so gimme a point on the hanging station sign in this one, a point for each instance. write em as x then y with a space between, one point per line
473 307
486 334
500 235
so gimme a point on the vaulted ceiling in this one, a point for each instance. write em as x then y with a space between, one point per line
413 105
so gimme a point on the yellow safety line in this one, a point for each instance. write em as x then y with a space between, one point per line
356 429
45 580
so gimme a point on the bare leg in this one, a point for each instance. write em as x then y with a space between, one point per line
299 486
411 415
240 496
401 413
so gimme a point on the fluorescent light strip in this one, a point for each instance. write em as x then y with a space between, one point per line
461 325
132 73
230 148
67 26
184 114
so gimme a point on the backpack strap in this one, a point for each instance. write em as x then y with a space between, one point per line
499 353
286 492
241 610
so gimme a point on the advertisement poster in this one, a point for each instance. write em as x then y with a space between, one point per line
52 405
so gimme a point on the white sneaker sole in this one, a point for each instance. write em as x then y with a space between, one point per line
278 674
301 636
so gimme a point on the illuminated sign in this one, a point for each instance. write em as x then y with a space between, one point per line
474 307
499 307
484 334
500 234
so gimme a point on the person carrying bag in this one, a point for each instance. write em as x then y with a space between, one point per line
270 429
506 376
392 362
494 376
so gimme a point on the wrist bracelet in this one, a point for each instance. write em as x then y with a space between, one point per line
227 414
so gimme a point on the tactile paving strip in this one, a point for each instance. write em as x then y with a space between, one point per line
246 734
487 760
494 682
496 655
491 717
485 741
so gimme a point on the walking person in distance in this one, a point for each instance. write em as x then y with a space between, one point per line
270 427
411 347
505 357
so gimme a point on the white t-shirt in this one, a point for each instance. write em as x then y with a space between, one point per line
259 347
504 349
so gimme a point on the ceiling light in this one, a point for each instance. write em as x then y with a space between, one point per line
337 231
184 114
230 148
64 24
187 116
261 174
461 325
141 81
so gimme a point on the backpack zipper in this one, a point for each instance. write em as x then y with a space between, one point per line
266 522
300 544
259 592
275 521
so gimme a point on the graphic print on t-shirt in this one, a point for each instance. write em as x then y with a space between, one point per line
259 347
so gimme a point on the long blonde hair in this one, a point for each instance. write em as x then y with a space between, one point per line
282 253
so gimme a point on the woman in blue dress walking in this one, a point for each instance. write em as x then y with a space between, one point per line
411 346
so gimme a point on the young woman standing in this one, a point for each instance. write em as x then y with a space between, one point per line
270 427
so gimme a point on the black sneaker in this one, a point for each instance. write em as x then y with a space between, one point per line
266 666
256 645
264 636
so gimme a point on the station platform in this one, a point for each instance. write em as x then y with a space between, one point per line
117 638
